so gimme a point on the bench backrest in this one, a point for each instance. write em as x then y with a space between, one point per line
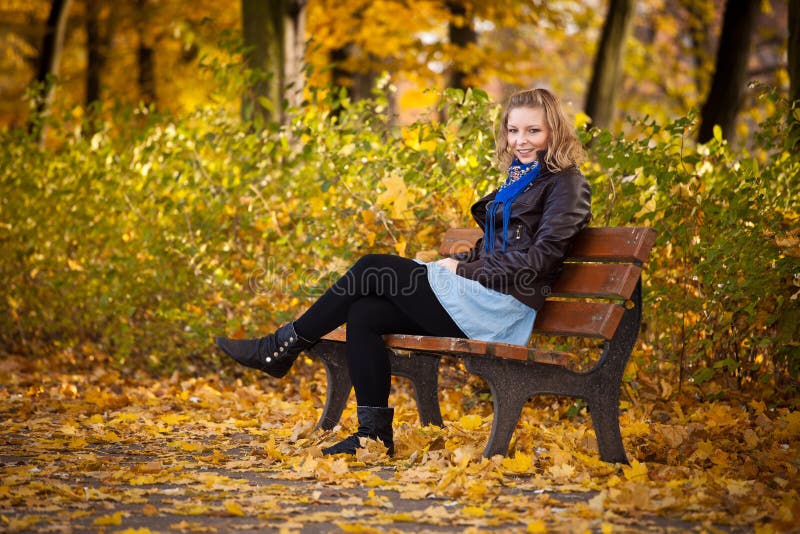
600 273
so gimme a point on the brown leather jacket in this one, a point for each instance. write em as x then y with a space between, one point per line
545 218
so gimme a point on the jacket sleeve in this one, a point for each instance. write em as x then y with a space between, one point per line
566 211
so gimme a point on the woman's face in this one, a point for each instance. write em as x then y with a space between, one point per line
527 132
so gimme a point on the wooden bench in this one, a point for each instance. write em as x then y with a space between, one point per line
599 295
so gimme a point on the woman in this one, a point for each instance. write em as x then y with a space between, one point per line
490 293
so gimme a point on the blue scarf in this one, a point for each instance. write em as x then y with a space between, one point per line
520 176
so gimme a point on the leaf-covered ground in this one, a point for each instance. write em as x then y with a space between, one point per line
107 451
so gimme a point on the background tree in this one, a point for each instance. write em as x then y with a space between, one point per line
295 51
461 34
602 94
145 55
98 38
794 59
50 58
264 34
730 72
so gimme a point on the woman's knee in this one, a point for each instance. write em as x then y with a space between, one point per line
365 313
369 261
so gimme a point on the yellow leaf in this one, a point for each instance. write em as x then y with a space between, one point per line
360 529
562 471
473 511
636 472
400 247
521 463
470 422
96 419
109 437
396 196
792 421
77 443
581 119
403 517
20 524
233 508
149 510
150 467
186 446
739 488
173 418
74 265
636 428
108 520
536 527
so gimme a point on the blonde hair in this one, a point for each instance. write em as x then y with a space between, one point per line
563 147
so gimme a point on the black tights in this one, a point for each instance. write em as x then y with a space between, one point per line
380 294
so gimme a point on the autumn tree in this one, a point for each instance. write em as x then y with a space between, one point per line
461 34
50 58
98 38
145 56
794 59
267 26
730 72
607 73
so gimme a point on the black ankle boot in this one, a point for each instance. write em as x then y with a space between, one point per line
274 354
375 423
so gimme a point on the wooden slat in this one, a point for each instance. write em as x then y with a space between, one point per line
620 244
598 280
459 240
623 243
585 319
464 346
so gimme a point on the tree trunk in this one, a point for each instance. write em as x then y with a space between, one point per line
794 55
727 86
295 52
96 46
699 21
146 57
607 73
461 33
264 32
49 62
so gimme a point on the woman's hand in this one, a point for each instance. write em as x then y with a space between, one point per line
449 263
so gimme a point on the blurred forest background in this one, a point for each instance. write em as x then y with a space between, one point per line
175 170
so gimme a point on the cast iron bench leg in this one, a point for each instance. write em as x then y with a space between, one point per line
508 398
605 419
333 357
422 368
607 380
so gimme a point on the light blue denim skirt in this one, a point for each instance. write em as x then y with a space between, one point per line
481 313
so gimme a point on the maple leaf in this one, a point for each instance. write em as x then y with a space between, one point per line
109 520
520 463
636 471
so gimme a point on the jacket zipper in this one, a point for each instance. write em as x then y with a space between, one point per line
519 231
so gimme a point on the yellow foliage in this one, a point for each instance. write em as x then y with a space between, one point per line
520 463
536 527
636 471
109 520
470 422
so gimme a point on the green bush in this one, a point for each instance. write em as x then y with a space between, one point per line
724 279
146 241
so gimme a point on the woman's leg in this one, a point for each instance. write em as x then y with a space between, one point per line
368 320
401 281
